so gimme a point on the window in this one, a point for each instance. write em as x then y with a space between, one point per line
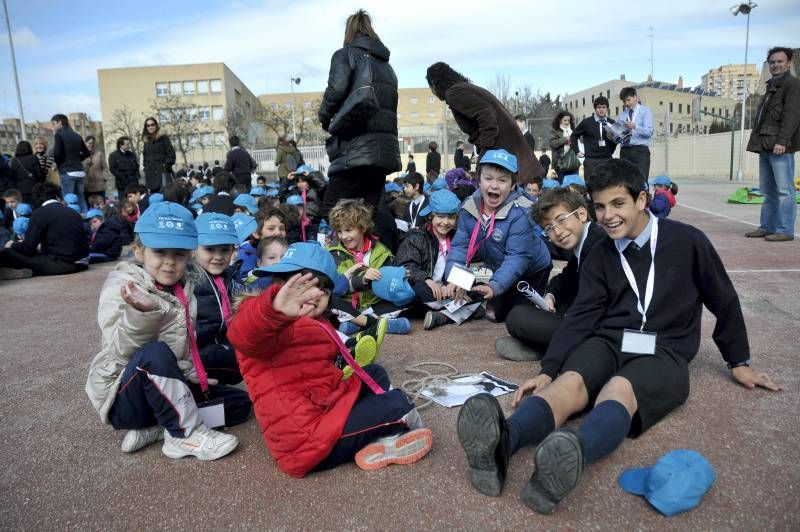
202 86
670 127
592 98
306 105
287 105
204 113
431 100
162 89
188 88
608 94
712 111
728 112
194 139
205 139
220 138
661 104
670 107
217 112
413 100
584 100
431 114
163 116
175 88
216 86
616 110
688 109
414 114
680 108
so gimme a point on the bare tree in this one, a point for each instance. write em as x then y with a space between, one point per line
238 122
126 123
277 119
501 88
181 120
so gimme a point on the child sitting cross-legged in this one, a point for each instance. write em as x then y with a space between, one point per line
148 377
106 242
313 419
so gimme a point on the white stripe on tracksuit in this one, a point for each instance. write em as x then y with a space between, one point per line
177 394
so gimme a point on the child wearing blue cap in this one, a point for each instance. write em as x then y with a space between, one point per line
494 228
311 418
664 192
148 376
106 242
217 285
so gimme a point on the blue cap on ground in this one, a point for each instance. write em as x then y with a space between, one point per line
167 225
23 209
20 225
71 198
572 179
247 201
549 183
675 484
502 158
245 226
257 191
94 213
391 186
294 199
214 229
393 286
439 183
661 180
304 169
441 202
272 193
301 256
75 207
156 198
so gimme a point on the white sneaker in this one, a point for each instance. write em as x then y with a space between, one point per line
138 438
203 443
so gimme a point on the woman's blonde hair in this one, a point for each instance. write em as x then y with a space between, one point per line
42 140
351 213
359 23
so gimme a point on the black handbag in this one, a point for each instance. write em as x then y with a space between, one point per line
568 162
361 103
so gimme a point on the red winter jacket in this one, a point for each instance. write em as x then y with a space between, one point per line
299 397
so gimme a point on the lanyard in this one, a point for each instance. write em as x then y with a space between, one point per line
358 370
444 246
651 275
413 217
202 376
473 246
359 255
224 300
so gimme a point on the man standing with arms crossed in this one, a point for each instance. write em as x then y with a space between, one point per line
775 137
638 120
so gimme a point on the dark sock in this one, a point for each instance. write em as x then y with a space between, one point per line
530 423
604 429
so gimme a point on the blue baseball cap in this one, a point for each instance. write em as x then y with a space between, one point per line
167 225
675 484
20 225
75 207
502 158
94 213
572 179
301 256
549 183
197 207
273 184
201 192
23 209
392 187
245 225
294 199
247 201
257 191
71 198
156 198
661 180
214 228
304 169
441 202
393 286
426 187
439 183
272 193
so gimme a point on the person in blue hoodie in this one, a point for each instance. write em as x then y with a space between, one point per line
495 228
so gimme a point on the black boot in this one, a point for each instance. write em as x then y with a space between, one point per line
483 435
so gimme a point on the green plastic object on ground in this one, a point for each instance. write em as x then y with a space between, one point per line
746 195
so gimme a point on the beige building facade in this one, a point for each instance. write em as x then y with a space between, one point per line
728 81
11 134
205 103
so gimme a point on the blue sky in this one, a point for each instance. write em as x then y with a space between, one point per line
550 46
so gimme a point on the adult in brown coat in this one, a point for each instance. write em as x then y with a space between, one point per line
96 170
481 116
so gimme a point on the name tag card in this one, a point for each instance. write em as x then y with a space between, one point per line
638 342
212 413
461 277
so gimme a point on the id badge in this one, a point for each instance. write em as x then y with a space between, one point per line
639 342
602 143
461 276
212 413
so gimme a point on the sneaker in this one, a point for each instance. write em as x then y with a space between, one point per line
364 351
399 326
138 438
203 443
405 448
778 237
434 319
757 233
9 274
559 465
483 435
479 313
377 331
510 348
349 328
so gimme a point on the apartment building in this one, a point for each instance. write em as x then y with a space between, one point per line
728 81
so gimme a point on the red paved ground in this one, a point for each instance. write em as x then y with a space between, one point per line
63 469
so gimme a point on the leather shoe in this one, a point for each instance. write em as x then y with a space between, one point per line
758 233
778 237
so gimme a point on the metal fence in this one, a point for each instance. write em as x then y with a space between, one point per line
314 156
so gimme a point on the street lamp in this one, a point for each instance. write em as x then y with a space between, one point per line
292 82
744 9
24 134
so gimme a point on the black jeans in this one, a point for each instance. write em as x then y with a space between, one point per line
532 326
40 264
639 156
366 183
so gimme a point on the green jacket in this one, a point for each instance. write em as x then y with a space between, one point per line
380 256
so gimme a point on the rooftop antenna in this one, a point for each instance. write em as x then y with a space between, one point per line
651 52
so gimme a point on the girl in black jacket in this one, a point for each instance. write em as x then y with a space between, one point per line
159 156
25 170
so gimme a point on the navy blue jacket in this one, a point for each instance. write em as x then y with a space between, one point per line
108 239
211 328
69 150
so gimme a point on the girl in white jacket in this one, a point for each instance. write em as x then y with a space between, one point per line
138 381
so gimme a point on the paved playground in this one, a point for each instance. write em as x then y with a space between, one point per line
62 469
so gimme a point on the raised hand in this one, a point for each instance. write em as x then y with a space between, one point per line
134 297
298 296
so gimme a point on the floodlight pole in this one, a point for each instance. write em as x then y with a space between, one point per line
746 9
24 134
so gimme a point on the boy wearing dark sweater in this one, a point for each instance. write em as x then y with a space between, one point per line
624 345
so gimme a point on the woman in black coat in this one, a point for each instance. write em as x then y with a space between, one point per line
124 166
361 160
159 156
25 170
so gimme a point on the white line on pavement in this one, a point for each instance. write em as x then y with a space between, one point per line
793 270
717 214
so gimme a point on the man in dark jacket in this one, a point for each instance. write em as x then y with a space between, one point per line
433 162
124 166
597 145
239 163
58 230
775 137
522 124
69 151
481 116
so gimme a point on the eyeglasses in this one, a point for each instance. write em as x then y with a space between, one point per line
547 229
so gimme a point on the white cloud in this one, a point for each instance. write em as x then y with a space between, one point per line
23 38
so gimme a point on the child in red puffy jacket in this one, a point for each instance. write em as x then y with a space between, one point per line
313 419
